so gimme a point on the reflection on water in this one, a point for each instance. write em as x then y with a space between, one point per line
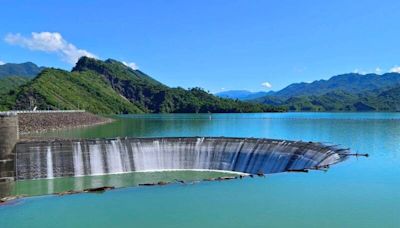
58 185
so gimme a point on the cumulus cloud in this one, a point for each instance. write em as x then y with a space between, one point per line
395 69
2 63
378 70
266 85
51 42
131 65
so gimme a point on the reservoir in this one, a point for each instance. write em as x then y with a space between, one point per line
356 193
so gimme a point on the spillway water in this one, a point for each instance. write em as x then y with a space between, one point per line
49 164
63 158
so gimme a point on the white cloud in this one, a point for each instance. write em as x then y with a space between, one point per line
395 69
378 70
51 42
358 71
2 63
266 85
131 65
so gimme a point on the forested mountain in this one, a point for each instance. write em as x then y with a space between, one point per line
109 87
347 92
11 83
8 87
27 69
351 83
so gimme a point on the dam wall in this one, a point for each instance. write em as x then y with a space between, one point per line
8 138
61 158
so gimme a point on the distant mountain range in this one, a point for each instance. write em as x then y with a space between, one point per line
27 69
242 94
347 92
110 87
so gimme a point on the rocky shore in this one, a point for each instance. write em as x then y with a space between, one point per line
40 122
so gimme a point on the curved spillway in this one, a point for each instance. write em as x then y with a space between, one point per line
96 157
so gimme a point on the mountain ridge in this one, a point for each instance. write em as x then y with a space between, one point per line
242 94
351 82
345 92
27 69
110 87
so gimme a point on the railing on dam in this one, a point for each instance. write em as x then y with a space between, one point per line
13 112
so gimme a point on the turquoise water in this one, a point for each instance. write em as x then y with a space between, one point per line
362 192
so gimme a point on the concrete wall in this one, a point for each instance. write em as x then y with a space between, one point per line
8 139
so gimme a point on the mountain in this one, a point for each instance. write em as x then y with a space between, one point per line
59 89
387 100
27 69
11 83
256 95
351 83
109 87
347 92
233 94
8 88
242 94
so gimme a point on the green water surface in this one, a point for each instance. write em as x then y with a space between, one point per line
39 187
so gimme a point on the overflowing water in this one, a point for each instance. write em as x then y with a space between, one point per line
113 156
78 160
49 163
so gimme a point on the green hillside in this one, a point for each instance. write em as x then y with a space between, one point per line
154 97
9 87
109 87
11 83
58 89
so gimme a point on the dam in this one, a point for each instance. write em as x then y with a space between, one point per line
9 136
24 160
61 158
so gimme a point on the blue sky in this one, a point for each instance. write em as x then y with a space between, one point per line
212 44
